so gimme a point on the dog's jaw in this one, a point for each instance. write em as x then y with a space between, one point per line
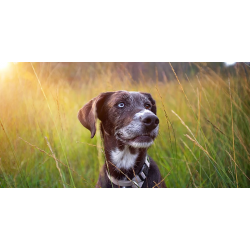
136 144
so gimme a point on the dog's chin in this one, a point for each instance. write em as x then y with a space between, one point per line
141 141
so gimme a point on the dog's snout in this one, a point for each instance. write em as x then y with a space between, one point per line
150 121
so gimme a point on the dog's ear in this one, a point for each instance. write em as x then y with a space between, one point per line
153 109
89 112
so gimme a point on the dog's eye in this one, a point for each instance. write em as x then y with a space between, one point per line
147 106
121 105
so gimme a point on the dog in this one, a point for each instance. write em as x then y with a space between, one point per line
128 127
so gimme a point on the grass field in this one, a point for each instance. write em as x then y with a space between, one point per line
204 129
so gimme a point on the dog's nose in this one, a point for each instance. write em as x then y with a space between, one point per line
151 121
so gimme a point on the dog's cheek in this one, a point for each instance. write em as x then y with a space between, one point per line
110 121
108 127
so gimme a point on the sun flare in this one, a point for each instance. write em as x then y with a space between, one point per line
3 65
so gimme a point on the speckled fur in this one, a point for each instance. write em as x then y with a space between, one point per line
124 154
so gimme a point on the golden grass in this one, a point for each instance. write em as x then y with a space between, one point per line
34 107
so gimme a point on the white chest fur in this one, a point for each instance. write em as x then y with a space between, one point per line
123 158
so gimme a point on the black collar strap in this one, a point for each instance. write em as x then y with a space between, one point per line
137 181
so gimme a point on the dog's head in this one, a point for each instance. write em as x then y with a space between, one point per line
129 116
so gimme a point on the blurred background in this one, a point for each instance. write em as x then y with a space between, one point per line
83 71
204 109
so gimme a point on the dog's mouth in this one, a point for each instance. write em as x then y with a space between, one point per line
139 138
142 138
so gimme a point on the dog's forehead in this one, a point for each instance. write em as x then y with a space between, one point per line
131 96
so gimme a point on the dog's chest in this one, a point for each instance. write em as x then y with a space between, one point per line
123 158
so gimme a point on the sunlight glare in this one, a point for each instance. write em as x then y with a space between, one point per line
3 65
229 63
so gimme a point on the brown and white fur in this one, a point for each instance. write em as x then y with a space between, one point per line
129 126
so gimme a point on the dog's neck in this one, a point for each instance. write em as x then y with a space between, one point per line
122 159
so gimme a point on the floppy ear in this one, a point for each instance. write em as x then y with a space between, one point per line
88 113
153 109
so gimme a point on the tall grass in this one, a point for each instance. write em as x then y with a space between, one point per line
204 129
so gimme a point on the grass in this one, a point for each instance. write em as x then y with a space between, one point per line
204 129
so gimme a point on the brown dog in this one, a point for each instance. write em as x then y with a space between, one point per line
129 126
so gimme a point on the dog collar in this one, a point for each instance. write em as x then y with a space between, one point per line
137 181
